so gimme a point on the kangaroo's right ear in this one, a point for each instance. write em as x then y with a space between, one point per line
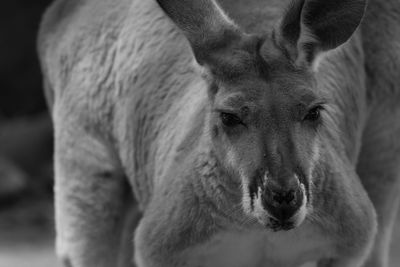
311 27
204 24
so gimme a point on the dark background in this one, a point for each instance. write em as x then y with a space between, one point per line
25 126
26 212
20 80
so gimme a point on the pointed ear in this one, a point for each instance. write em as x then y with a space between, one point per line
311 27
204 24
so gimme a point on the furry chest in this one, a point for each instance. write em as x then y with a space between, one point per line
298 247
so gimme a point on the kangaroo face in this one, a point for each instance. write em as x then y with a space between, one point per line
266 113
265 118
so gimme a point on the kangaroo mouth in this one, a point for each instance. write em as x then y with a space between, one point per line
276 225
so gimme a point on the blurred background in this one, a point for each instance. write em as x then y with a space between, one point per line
26 220
26 173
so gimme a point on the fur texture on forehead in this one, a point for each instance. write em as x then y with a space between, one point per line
256 65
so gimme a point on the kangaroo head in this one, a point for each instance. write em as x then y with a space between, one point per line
266 111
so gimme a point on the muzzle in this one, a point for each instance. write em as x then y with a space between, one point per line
285 204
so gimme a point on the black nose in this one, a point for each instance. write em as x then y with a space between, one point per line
283 197
282 203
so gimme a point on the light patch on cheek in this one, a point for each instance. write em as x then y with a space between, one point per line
259 212
232 162
302 212
315 156
231 159
246 199
254 206
246 196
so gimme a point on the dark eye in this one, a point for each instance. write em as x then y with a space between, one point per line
230 120
313 114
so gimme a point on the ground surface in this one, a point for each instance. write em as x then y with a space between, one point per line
26 237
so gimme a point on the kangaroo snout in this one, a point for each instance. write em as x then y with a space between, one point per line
283 202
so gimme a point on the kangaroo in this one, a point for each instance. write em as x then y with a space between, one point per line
238 133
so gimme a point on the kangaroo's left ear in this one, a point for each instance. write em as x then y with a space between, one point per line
311 27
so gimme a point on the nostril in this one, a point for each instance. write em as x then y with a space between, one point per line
290 196
278 197
287 197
